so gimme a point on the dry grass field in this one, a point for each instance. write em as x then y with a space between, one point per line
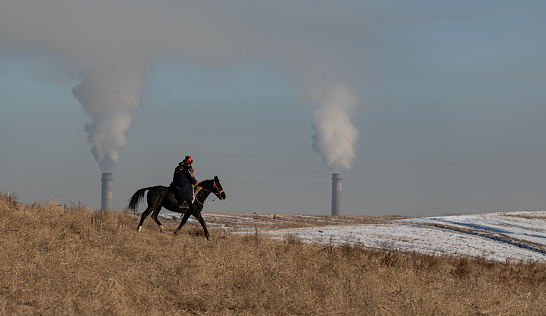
75 261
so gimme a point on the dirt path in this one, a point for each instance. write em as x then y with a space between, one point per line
252 221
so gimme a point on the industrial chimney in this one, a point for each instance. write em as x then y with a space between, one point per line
336 193
106 200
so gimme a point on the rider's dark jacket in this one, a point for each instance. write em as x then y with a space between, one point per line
182 183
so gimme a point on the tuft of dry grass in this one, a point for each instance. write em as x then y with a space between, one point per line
78 261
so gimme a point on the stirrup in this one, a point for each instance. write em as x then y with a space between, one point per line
183 204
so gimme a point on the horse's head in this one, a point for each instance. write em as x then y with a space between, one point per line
214 186
217 189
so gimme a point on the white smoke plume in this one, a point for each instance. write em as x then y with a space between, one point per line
109 96
335 135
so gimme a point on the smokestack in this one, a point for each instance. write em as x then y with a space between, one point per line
336 193
106 200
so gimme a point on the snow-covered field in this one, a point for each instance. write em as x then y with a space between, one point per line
515 236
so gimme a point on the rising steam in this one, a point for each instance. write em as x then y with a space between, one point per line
109 96
335 135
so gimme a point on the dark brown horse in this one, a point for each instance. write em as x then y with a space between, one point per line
159 196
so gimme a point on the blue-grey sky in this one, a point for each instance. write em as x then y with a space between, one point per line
427 107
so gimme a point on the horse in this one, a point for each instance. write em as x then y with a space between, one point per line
159 196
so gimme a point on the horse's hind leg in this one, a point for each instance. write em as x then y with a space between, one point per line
154 216
143 217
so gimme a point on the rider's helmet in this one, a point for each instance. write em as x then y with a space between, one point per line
188 160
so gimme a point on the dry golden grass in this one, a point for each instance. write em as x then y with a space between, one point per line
56 261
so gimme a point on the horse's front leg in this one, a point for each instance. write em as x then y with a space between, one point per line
183 221
202 221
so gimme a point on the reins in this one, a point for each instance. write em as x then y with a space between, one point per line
206 203
217 195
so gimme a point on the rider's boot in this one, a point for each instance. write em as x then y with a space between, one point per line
182 204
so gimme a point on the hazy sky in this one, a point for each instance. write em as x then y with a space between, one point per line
427 107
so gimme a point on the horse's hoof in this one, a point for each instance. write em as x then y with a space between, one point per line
139 228
161 229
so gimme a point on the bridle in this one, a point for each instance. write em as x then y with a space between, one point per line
217 193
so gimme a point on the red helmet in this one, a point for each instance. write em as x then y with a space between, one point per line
188 159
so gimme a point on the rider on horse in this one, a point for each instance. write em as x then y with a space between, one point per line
183 182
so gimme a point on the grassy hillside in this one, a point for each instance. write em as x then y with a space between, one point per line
76 261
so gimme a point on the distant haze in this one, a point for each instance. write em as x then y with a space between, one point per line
111 44
426 107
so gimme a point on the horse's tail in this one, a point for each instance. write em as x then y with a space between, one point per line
135 199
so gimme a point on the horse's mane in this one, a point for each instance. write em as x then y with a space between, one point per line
205 182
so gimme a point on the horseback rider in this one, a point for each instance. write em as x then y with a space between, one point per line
183 182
